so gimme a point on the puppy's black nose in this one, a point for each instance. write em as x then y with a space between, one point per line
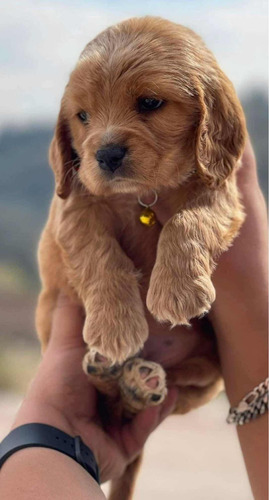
110 157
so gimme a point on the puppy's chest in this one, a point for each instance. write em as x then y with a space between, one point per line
137 240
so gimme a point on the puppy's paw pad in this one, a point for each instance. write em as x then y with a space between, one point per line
151 382
99 358
142 384
96 364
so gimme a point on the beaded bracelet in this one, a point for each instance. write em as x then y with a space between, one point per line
255 403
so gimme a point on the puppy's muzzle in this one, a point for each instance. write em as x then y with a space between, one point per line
110 157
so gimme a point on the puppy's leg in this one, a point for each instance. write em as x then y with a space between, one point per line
106 379
180 285
198 380
105 280
128 389
53 280
142 384
123 487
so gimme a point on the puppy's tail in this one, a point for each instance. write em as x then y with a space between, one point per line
123 487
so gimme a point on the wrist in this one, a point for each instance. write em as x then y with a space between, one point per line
38 411
47 398
34 465
243 355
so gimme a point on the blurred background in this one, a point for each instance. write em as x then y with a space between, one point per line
196 456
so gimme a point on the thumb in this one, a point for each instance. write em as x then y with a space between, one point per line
67 324
136 432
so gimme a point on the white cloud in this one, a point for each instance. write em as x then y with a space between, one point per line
41 40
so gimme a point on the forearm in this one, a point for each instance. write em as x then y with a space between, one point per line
242 345
240 321
46 474
239 314
39 472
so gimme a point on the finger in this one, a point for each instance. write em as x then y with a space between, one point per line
169 403
135 433
138 430
67 323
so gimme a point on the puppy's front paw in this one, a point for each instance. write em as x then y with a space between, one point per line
177 299
116 332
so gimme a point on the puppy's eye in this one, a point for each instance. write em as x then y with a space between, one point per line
83 116
149 103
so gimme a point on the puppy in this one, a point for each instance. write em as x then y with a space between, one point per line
147 114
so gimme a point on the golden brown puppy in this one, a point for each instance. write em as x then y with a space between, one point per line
146 108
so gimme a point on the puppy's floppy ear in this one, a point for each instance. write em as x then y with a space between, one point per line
62 157
221 132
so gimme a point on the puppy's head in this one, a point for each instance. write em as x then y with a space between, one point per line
146 107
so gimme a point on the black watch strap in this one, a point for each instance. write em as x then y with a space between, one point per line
46 436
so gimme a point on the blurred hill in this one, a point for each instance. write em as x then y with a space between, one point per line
25 191
27 184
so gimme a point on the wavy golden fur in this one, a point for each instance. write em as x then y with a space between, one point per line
94 247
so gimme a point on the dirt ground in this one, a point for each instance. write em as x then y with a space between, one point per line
191 457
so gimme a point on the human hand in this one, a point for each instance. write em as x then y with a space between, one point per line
60 395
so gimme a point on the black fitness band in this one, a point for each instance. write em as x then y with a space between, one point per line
46 436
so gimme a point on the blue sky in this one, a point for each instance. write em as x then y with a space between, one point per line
41 40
